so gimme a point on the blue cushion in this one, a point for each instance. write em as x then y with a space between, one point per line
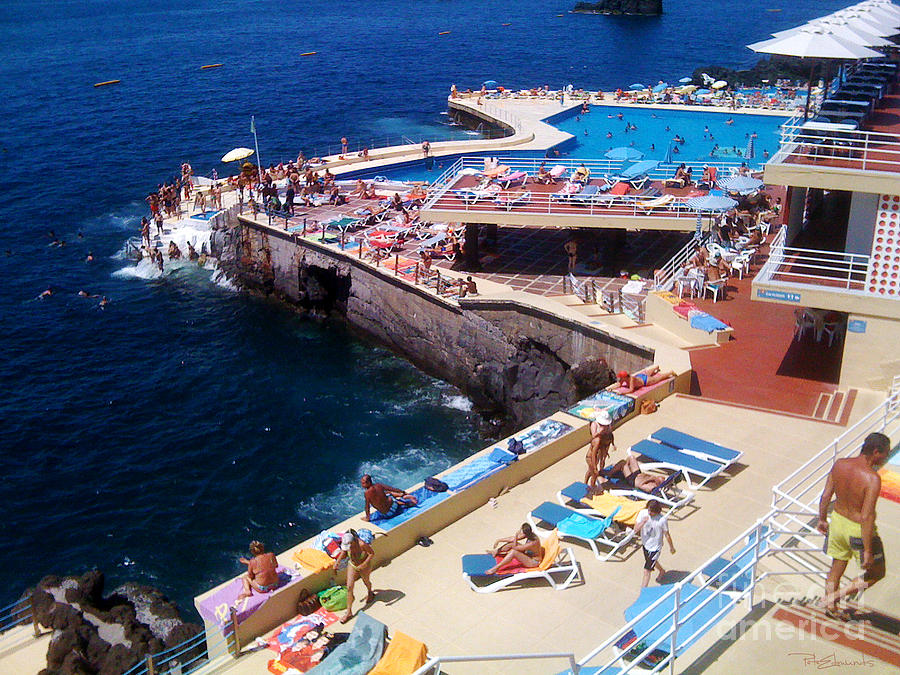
669 455
679 439
477 564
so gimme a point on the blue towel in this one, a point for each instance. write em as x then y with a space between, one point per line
581 526
704 321
426 498
501 456
471 473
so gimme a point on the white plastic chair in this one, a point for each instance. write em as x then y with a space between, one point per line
834 330
803 322
714 287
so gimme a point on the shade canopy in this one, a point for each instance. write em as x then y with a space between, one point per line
814 44
687 89
741 184
662 86
636 86
237 154
710 203
842 29
624 152
719 84
686 80
489 84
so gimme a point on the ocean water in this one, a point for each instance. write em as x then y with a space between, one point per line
155 437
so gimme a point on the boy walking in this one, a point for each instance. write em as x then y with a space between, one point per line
652 525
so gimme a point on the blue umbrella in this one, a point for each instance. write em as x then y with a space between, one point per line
691 598
637 86
741 184
703 91
685 80
489 84
710 203
625 153
662 86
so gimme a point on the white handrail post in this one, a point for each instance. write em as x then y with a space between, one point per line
674 642
754 569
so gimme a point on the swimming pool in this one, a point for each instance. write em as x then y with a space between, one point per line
708 136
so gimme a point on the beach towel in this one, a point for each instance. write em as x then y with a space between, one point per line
359 654
470 473
216 608
581 526
606 504
312 560
288 634
616 404
704 321
403 656
426 499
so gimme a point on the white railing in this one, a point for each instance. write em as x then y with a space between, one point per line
443 196
663 278
861 150
820 269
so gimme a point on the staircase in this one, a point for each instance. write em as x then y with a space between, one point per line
834 406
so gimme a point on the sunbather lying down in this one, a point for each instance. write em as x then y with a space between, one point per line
642 378
523 547
629 471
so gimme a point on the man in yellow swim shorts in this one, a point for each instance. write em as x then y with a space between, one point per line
855 484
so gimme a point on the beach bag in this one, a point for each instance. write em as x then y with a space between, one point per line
435 485
308 602
365 535
334 598
648 406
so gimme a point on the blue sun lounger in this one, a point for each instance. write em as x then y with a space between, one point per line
666 457
727 573
575 525
586 195
696 446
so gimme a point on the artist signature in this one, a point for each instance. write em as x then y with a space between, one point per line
831 661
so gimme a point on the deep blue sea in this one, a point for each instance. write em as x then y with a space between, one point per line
156 437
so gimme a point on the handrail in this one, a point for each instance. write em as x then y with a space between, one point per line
798 266
17 613
433 665
861 150
663 278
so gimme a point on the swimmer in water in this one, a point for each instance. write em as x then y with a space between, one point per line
47 293
192 252
90 257
104 301
729 121
609 134
85 294
201 261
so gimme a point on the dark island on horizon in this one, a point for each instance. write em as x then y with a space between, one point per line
621 7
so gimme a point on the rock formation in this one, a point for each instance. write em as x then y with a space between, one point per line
95 634
631 7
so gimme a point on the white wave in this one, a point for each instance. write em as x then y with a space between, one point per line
402 469
142 270
221 280
456 402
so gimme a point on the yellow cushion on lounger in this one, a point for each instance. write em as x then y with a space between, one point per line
551 551
313 560
404 655
606 504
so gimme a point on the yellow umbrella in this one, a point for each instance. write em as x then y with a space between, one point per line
687 89
236 154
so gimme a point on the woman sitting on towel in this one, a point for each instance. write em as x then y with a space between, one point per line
261 576
642 378
523 547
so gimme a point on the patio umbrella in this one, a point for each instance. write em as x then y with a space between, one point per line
842 29
489 84
636 86
689 627
687 89
624 152
741 184
719 84
662 86
866 22
237 154
813 43
709 204
702 91
686 80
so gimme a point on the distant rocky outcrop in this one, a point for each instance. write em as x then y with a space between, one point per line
636 7
94 634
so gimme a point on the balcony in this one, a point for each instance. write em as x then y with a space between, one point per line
838 281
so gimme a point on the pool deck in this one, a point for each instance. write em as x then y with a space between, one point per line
423 593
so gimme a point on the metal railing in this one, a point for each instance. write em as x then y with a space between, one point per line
356 147
663 279
791 266
805 143
18 613
443 196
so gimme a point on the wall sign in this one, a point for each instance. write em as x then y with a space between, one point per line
856 326
784 296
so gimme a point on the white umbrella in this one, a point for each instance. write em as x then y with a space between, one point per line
842 29
877 14
236 154
814 44
886 7
719 84
866 22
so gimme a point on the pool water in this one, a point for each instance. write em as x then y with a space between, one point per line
707 135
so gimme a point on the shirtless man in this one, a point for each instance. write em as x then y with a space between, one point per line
855 483
598 450
388 501
629 471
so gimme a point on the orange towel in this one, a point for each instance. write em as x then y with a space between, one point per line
404 655
313 560
606 504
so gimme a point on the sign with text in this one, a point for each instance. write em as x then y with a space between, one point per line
783 296
856 326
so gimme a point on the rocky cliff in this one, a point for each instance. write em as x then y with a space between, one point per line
636 7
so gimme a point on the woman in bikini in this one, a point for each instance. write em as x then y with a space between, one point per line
528 553
262 575
642 378
359 566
